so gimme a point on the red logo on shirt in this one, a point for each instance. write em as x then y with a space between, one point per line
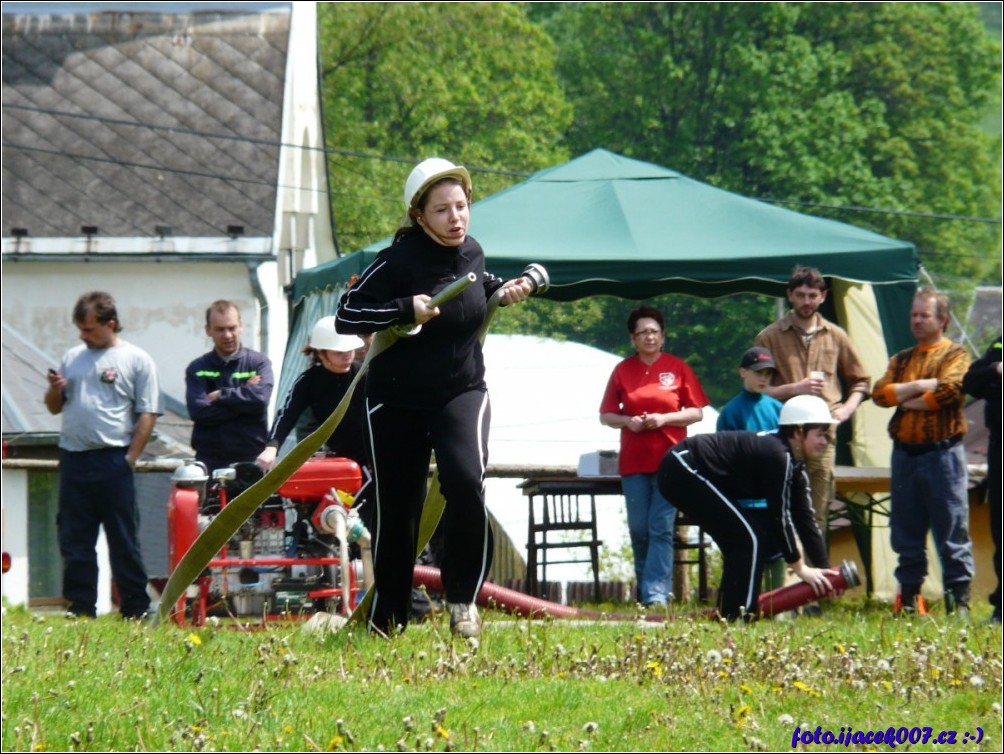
667 380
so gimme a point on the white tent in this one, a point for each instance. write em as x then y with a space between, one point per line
545 397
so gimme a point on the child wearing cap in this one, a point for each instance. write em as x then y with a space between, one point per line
752 409
755 411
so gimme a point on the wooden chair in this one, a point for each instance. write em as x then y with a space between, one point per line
560 521
689 553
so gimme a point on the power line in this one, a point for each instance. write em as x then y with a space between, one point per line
159 168
932 253
241 139
391 158
908 213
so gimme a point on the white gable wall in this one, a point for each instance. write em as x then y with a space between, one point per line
162 306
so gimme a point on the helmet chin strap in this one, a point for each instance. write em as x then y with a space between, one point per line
798 450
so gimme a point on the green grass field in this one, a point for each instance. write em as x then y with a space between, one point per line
97 685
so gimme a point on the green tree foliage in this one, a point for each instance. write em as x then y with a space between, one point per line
844 104
822 105
471 82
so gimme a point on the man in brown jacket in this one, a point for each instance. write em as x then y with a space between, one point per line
813 356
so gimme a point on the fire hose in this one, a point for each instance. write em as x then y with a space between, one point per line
215 536
516 603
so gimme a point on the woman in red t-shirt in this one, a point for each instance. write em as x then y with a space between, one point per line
651 397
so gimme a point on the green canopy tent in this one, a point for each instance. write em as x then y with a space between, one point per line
603 224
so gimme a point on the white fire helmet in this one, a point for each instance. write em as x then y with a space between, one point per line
324 337
805 409
428 172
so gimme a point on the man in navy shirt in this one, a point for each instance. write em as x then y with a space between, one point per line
227 392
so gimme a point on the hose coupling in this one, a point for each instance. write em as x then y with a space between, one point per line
538 277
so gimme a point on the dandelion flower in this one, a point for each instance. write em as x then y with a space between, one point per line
802 686
785 719
590 727
713 657
975 681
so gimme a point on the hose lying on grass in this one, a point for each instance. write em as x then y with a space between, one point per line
509 600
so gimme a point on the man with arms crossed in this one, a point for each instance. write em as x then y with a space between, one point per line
227 392
929 482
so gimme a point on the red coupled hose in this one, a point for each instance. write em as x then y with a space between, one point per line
796 595
517 603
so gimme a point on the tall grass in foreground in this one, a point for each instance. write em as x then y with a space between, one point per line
91 685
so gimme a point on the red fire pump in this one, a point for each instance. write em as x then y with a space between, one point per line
291 558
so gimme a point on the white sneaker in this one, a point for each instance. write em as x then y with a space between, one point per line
464 619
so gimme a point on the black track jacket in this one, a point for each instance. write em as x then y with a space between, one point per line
444 359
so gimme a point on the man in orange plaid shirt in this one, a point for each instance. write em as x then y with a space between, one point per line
929 483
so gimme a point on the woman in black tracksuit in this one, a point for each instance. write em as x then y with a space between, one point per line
427 394
706 474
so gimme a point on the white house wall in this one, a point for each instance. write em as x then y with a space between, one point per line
303 217
162 306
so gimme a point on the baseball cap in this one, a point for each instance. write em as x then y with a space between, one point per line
757 359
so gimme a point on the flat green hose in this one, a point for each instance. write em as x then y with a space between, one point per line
239 510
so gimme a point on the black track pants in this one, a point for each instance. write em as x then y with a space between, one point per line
724 521
402 441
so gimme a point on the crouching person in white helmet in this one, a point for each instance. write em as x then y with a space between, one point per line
706 474
317 392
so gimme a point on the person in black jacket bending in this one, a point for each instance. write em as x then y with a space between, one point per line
427 394
705 476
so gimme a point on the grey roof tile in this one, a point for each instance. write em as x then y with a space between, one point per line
126 120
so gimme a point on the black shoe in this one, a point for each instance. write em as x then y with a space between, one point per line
957 600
